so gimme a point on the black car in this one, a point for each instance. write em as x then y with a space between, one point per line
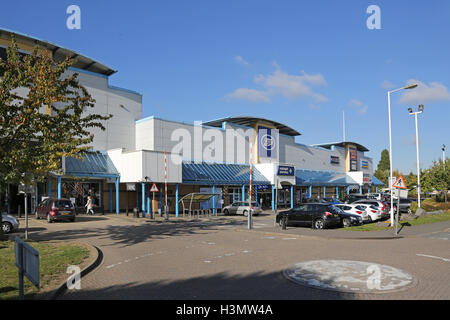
315 215
354 197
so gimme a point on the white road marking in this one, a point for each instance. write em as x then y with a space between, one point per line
433 257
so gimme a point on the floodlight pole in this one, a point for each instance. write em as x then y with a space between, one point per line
412 86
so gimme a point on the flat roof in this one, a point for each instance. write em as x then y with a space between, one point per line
60 54
249 121
342 144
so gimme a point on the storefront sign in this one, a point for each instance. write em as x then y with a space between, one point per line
268 142
286 171
364 164
131 187
353 158
334 160
264 187
367 178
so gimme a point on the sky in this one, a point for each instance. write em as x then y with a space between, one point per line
301 63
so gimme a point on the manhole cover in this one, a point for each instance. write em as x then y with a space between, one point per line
349 276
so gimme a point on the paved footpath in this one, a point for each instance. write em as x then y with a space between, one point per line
219 258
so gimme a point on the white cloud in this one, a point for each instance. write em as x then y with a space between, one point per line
292 86
280 83
359 106
241 61
432 92
248 94
387 85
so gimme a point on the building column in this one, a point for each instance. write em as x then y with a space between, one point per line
243 192
360 190
148 200
59 187
310 192
368 189
337 193
273 198
256 195
110 197
137 195
324 192
176 201
292 197
160 202
117 195
376 189
143 200
213 199
348 190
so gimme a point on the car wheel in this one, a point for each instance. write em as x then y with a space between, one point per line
49 219
6 227
225 212
319 224
370 219
245 213
346 223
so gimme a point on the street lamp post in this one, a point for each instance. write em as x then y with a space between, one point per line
411 86
417 150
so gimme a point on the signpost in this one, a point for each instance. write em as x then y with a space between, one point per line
399 185
27 262
153 190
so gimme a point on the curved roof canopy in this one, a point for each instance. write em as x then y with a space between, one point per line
60 53
342 144
249 121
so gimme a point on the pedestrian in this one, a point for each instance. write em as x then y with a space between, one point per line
90 206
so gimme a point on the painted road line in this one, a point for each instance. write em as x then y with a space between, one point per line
433 257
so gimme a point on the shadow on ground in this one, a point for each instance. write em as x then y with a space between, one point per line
220 286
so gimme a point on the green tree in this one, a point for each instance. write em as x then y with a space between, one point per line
437 177
44 116
384 167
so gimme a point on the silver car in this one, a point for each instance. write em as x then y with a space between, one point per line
242 208
9 223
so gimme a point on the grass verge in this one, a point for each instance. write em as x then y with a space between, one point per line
54 260
421 220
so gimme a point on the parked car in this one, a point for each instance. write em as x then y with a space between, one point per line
354 197
243 208
349 219
332 200
373 213
379 205
56 209
315 215
405 205
354 209
9 223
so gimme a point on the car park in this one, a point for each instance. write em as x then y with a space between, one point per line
378 204
242 208
373 213
9 223
349 219
56 210
315 215
354 209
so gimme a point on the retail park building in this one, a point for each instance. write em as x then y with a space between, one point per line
213 157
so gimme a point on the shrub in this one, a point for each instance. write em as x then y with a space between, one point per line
414 206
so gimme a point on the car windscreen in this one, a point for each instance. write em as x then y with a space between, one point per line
63 204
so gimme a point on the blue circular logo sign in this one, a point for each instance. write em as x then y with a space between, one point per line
268 142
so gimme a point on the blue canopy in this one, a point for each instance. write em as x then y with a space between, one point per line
376 182
322 178
221 174
95 164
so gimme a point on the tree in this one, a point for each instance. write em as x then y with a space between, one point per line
437 177
44 116
383 170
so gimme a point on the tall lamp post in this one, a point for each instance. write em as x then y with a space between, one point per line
410 86
417 150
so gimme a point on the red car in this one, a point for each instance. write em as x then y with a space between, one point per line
56 209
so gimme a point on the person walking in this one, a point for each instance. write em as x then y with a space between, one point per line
90 206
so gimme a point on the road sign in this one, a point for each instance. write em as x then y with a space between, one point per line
400 183
27 261
154 188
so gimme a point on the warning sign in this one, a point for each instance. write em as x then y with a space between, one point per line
154 188
400 183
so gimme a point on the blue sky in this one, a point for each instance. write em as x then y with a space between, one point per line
297 62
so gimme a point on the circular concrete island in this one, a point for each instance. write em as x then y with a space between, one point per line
349 276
